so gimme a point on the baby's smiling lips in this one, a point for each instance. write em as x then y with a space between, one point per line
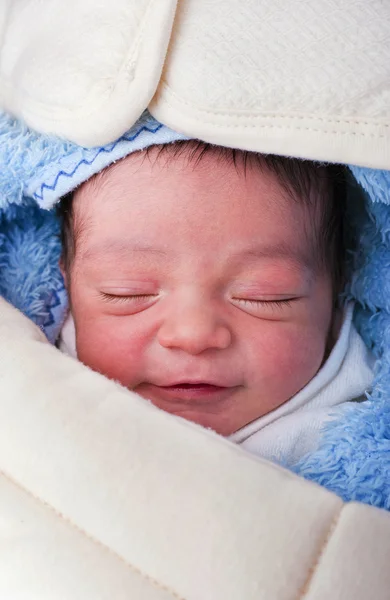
189 392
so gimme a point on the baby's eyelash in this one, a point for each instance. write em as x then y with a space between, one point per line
269 302
277 304
125 298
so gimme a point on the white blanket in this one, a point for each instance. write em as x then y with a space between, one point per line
104 496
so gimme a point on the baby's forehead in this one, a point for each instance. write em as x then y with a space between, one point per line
195 155
118 187
158 166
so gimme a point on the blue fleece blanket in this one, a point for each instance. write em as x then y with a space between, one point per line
353 459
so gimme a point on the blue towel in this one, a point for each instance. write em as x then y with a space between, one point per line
353 459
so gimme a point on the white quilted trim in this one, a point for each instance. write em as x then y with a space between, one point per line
355 141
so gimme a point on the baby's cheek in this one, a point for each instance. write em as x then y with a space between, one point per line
290 359
110 349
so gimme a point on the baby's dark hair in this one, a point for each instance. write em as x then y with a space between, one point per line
320 187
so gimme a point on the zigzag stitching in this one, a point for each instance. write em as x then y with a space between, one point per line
44 186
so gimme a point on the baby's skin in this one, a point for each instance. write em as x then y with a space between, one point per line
195 285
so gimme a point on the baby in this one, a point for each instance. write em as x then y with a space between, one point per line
207 281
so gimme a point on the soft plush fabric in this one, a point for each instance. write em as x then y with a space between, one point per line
354 456
84 70
29 275
308 78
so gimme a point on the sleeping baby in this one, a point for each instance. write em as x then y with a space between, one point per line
208 280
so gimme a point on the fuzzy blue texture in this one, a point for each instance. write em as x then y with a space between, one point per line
353 459
23 155
29 275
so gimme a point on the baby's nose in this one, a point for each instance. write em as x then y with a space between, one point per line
194 329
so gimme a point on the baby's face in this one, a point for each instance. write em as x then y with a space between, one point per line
196 287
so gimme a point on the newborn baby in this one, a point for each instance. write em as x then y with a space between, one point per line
207 281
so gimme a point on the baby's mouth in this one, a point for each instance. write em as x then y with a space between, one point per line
187 392
193 386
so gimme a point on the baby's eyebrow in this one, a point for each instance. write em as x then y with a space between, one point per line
121 247
280 250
